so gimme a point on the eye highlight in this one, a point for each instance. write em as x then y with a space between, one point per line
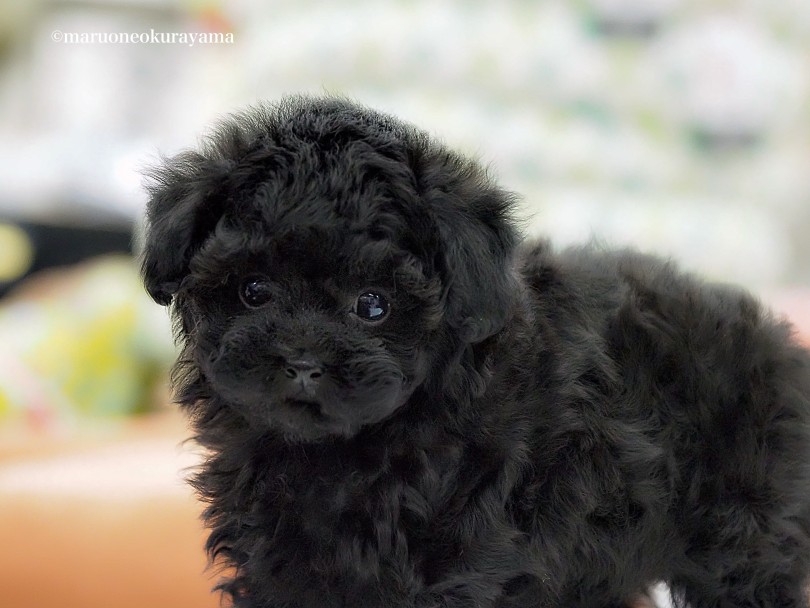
255 291
371 306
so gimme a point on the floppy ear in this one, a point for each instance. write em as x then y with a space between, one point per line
185 204
478 240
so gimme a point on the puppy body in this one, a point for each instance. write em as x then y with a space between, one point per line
521 428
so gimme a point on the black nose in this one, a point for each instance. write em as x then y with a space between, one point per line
305 369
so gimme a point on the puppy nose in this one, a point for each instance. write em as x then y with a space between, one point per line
306 369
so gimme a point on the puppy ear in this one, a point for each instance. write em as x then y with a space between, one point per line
478 243
184 207
480 286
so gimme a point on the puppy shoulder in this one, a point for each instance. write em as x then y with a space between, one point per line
654 294
585 271
606 282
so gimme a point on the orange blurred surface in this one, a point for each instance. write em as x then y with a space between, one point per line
103 521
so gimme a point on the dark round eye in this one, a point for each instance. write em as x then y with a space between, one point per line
255 292
371 306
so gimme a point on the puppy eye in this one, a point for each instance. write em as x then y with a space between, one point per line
255 292
370 306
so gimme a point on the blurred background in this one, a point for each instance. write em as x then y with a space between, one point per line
676 126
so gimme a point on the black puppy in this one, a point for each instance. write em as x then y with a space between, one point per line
403 407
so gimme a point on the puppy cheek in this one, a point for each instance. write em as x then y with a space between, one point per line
361 409
236 374
414 372
420 360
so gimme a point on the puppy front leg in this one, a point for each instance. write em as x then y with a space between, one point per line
457 599
475 590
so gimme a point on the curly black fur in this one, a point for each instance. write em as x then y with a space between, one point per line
526 428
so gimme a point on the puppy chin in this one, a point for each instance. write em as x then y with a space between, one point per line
316 418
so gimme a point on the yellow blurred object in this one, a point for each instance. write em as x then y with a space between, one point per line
81 342
16 253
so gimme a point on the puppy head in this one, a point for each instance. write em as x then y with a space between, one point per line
324 261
